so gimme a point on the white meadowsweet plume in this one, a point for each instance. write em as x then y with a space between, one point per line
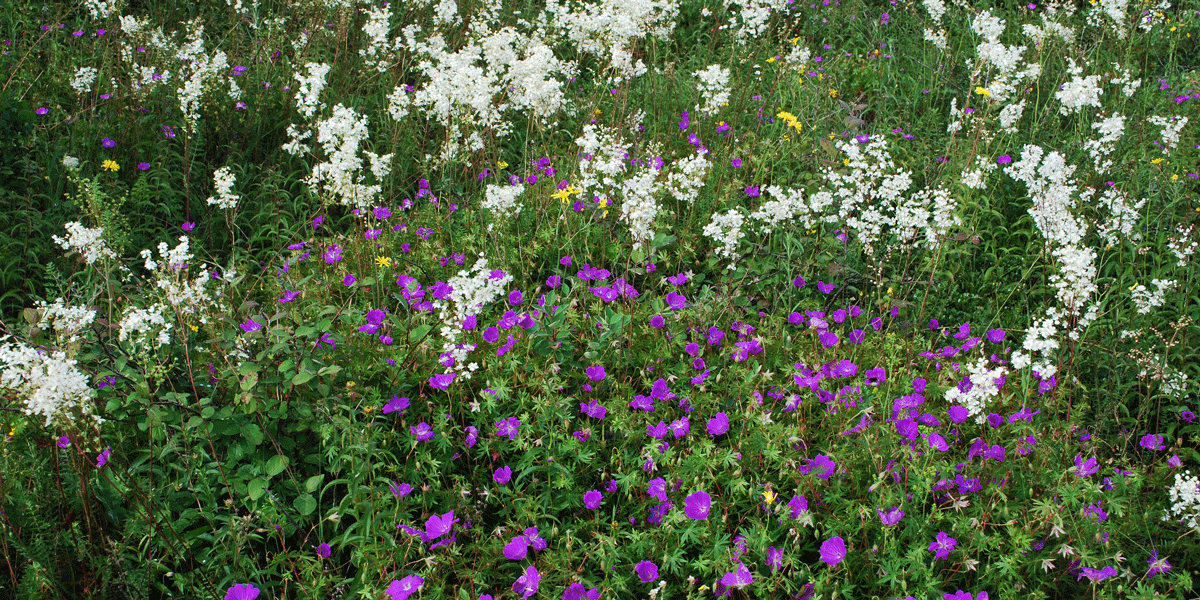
398 103
196 72
1185 499
714 88
145 325
308 93
937 38
49 382
294 146
1111 12
686 177
603 161
1146 299
597 28
379 49
976 178
470 291
1122 217
983 388
223 181
1183 246
936 9
66 321
89 243
726 230
101 9
1009 115
1110 129
1079 92
502 200
83 79
638 205
755 16
996 65
1171 126
445 12
1128 83
340 137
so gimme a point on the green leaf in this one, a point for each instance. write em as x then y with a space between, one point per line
305 504
419 332
302 377
249 381
313 483
252 433
276 464
256 488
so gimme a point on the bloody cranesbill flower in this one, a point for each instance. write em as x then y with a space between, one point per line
143 166
592 499
719 424
288 296
400 490
697 506
1152 442
825 288
508 428
646 571
1084 468
64 442
423 431
942 546
251 325
891 516
324 551
823 465
527 584
676 301
241 591
396 404
442 381
596 372
593 409
833 551
402 589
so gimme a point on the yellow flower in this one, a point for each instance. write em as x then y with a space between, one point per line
846 162
110 166
383 261
562 195
795 39
769 496
832 93
982 91
503 164
1174 178
1156 161
193 328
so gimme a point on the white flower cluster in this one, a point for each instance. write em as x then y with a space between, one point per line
1079 92
936 10
1122 217
1040 34
171 276
1183 246
1000 61
1147 300
1039 341
101 9
398 103
1171 126
70 162
379 50
139 323
1128 84
1114 10
468 296
603 159
1185 499
983 388
755 16
66 320
131 24
937 38
88 242
308 93
687 177
714 89
83 79
197 71
1009 115
976 178
638 205
502 199
445 12
49 381
1111 129
726 230
223 181
340 137
613 25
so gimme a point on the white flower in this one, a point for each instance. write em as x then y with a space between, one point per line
88 242
502 199
83 79
714 88
726 230
308 94
49 381
223 182
1185 499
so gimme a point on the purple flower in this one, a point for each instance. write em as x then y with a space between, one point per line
64 442
472 436
833 551
828 339
697 505
241 591
102 458
719 424
752 191
657 322
676 301
108 143
658 489
958 414
596 373
42 110
553 281
891 516
1157 565
442 381
593 409
995 336
399 490
515 297
1004 160
502 475
396 405
251 325
1097 574
943 545
288 296
508 428
402 589
348 280
738 578
823 465
825 288
1174 462
324 551
646 571
143 166
592 499
527 584
423 431
1187 415
1085 468
438 525
797 505
1152 442
333 254
577 591
774 558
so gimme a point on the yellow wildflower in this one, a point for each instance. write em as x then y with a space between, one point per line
832 93
982 91
503 164
383 261
1156 161
193 328
109 165
769 496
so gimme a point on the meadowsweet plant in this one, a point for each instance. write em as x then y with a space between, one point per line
600 299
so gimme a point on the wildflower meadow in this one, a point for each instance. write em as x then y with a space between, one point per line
581 299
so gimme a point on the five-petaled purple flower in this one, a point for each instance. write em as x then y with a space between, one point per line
697 506
241 591
508 428
646 571
423 431
502 475
943 545
833 551
402 589
592 499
